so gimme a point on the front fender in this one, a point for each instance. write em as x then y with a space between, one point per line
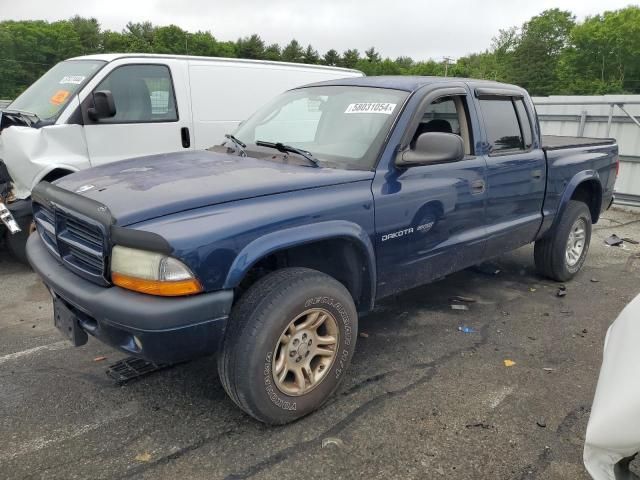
295 236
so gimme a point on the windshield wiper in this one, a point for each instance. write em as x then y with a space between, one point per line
281 147
24 115
239 145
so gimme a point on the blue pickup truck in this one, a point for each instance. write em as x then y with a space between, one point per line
267 248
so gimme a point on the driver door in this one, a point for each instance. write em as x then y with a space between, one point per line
430 218
153 113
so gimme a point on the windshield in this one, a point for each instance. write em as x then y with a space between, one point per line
51 92
340 125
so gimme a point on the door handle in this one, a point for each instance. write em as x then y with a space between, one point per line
186 139
536 174
478 187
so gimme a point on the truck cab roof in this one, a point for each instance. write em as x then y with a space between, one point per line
413 83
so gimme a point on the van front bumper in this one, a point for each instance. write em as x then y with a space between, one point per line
158 329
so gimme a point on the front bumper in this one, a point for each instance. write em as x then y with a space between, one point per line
168 330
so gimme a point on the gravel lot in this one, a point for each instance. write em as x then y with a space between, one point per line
422 399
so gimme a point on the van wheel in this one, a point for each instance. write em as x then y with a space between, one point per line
288 344
17 243
561 255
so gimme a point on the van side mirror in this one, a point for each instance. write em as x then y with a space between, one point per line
103 105
433 147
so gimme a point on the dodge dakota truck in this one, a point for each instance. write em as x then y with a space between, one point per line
267 248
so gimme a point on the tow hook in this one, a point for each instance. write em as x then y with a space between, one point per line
8 220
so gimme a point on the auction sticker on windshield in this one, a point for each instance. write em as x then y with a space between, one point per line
59 97
386 108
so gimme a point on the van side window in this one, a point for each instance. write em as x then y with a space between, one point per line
448 115
142 94
502 126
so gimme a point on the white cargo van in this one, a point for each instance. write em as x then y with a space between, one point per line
97 109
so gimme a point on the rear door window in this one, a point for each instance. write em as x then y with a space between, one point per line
501 125
142 94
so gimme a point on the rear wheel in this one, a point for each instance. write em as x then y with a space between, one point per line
290 339
561 255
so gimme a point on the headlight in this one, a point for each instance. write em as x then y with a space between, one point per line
151 273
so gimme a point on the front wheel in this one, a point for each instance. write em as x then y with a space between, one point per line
290 340
561 255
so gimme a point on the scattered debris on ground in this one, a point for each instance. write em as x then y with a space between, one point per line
562 291
613 241
461 299
542 423
487 269
332 442
466 329
143 457
364 335
509 363
458 306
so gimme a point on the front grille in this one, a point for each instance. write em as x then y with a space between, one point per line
78 242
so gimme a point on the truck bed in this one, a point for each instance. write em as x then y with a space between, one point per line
557 142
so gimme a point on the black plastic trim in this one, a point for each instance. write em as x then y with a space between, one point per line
498 92
128 237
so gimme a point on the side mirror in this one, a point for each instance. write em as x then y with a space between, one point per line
103 105
433 147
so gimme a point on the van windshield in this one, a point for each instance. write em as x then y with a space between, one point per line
341 126
51 92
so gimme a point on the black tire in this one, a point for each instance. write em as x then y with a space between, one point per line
17 243
550 252
257 322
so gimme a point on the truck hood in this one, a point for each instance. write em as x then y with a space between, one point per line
149 187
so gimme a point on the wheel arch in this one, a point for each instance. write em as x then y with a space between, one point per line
339 248
585 187
55 172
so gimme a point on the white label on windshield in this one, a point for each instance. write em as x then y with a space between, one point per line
386 108
75 79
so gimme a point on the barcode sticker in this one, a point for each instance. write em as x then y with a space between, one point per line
386 108
75 79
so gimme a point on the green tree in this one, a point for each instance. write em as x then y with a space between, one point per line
350 58
372 55
293 52
536 56
272 52
250 47
88 31
170 39
332 57
311 55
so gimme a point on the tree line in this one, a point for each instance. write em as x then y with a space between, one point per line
549 54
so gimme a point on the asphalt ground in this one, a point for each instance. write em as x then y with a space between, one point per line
422 399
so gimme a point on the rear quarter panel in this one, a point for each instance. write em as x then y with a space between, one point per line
568 168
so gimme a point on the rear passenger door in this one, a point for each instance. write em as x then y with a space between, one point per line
516 170
152 112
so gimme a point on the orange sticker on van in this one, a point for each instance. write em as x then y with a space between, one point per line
59 97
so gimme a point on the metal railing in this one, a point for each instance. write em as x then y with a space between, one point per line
618 114
583 115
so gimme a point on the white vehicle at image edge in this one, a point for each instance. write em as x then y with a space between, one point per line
613 432
97 109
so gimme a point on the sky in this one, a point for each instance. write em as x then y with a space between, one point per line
420 29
